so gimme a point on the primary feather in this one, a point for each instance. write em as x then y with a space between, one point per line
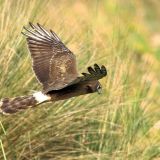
53 63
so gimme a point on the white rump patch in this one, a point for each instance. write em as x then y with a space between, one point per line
40 97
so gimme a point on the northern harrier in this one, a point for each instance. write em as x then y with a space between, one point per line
55 68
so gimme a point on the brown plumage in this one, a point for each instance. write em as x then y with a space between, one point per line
50 57
55 68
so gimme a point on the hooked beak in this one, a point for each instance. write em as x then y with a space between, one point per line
99 90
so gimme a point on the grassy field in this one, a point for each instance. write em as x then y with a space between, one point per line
123 123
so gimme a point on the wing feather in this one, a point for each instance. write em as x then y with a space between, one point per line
95 73
53 63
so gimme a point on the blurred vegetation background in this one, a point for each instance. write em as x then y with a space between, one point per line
124 121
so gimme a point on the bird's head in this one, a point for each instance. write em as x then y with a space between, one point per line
93 86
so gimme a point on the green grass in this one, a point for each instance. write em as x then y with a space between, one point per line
123 122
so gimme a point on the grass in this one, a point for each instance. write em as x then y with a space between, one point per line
123 122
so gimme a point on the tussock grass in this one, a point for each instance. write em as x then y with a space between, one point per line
123 122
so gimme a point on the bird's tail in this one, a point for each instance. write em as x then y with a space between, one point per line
13 105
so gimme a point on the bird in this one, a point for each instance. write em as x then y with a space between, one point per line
55 68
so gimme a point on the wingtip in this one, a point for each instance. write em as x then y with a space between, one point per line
30 23
22 32
102 66
91 70
24 27
96 65
104 70
39 25
101 69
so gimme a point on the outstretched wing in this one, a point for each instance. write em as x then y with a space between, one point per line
95 73
53 63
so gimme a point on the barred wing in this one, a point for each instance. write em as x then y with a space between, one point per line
95 73
53 63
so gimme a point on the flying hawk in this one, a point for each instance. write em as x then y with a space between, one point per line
55 68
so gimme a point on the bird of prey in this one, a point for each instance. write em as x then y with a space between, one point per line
55 68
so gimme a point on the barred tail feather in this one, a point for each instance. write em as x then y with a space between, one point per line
13 105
